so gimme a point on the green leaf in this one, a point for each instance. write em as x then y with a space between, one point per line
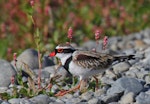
28 9
23 92
5 96
56 36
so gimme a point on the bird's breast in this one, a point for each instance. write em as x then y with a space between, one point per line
77 70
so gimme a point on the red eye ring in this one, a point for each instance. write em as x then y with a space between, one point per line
60 50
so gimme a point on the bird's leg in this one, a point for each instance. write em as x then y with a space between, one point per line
96 79
63 92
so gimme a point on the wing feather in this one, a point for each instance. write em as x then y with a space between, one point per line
92 60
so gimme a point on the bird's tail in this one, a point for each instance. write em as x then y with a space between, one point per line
124 58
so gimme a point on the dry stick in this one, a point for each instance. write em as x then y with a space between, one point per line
40 69
39 55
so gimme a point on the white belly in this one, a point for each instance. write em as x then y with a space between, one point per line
82 72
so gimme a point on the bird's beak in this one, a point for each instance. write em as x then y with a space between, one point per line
52 54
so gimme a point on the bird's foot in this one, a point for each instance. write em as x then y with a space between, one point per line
62 93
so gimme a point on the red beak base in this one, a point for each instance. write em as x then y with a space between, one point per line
52 54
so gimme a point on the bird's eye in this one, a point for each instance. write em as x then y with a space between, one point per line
60 50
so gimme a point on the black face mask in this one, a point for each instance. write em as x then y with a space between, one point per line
64 50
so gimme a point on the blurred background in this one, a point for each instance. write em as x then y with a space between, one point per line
54 17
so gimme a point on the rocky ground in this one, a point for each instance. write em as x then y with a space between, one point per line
129 85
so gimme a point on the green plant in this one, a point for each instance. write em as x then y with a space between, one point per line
28 89
116 17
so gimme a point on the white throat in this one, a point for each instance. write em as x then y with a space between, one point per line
63 57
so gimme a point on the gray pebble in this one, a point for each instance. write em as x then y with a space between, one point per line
146 33
29 57
114 103
147 52
131 74
73 101
110 74
147 79
106 80
147 41
138 36
110 98
24 79
55 70
132 88
142 74
129 51
5 102
59 101
125 84
143 98
47 61
6 72
99 92
87 95
45 74
3 89
14 101
94 101
56 103
68 96
121 67
127 98
41 99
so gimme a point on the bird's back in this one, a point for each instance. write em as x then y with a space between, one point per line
93 60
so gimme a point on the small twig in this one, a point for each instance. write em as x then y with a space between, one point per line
40 69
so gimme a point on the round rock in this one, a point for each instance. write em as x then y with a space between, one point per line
14 101
147 52
126 85
47 62
58 71
41 99
20 101
6 72
110 98
143 98
87 95
29 57
5 102
127 98
121 67
94 101
73 101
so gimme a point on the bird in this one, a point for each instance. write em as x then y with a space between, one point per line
84 64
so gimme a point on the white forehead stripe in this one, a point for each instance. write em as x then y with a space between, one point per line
64 47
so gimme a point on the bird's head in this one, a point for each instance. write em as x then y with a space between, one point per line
62 51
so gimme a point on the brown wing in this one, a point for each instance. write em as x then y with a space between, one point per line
92 60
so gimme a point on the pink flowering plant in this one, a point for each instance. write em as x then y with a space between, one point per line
45 22
97 38
98 34
105 42
118 18
70 33
15 59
